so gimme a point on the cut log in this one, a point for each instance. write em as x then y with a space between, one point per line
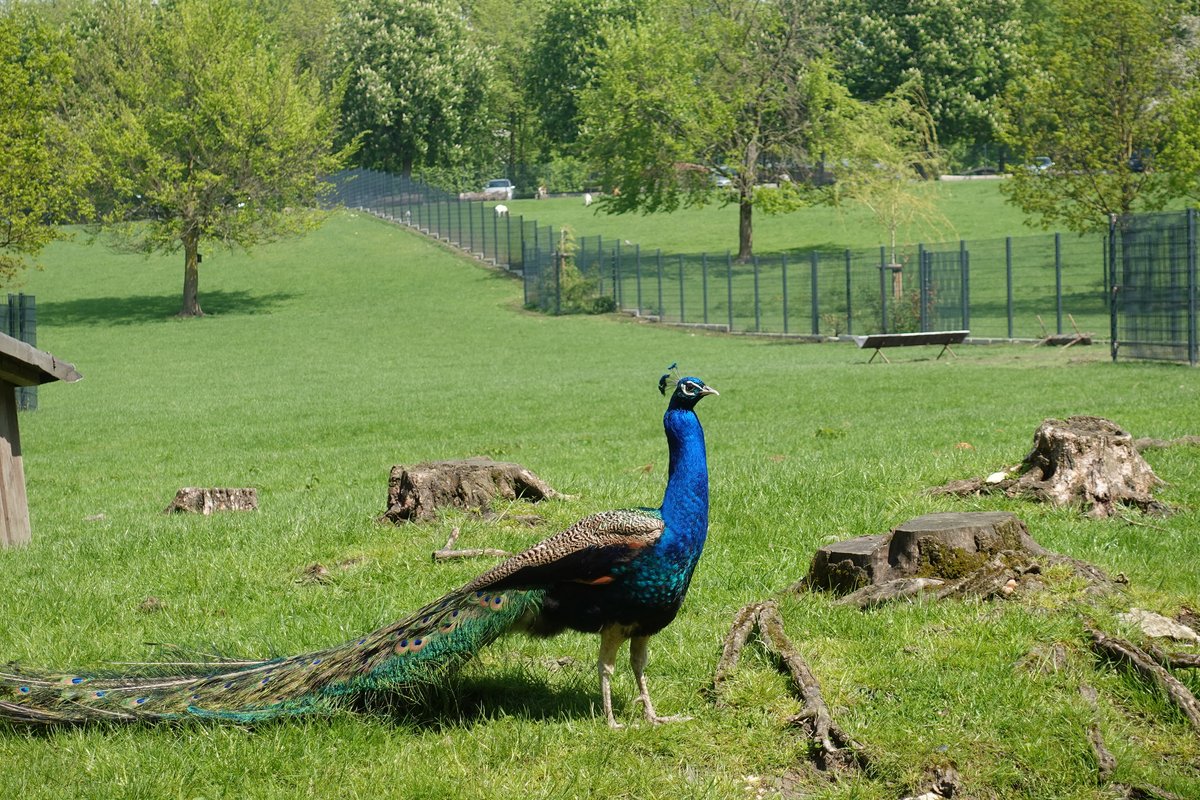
195 500
416 493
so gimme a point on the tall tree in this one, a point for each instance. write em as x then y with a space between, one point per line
204 129
568 41
38 178
962 53
1099 100
703 93
889 148
418 85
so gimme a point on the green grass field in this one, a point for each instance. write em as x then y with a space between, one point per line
324 361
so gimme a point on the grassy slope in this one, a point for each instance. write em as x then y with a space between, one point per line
973 210
327 360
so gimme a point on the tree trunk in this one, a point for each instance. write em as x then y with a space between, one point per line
745 227
191 275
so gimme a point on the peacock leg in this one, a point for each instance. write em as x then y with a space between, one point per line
639 654
610 641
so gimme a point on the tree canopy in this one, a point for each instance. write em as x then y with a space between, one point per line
1101 102
203 127
39 178
418 85
703 94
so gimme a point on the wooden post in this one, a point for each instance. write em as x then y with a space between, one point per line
14 508
21 364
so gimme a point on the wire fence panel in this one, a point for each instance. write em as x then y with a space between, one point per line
1154 284
1024 287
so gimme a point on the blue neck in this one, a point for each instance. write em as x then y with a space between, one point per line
685 502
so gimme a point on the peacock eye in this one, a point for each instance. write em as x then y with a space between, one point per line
689 389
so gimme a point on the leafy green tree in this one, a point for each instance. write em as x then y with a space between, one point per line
203 126
704 93
39 180
890 147
962 53
567 43
1101 102
418 85
505 29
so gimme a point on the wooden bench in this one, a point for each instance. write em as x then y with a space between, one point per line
882 340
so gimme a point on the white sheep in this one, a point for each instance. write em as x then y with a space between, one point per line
501 210
587 199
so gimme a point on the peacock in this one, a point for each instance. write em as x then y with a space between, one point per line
622 574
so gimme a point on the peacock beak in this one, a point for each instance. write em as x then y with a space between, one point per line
709 390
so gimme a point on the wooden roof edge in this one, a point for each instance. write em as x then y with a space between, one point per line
25 365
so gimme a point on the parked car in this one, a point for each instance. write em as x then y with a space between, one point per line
499 189
1041 164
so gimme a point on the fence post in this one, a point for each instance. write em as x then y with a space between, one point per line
964 265
1193 339
1112 271
662 311
757 306
883 292
617 276
637 271
923 284
729 280
1058 298
558 268
849 308
815 310
704 283
681 314
1008 283
783 263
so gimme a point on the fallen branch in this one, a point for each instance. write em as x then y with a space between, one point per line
1174 660
1106 762
448 550
1142 663
833 749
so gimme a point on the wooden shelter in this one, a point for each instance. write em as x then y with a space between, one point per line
20 365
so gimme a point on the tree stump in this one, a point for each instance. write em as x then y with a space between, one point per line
954 554
195 500
1083 461
417 492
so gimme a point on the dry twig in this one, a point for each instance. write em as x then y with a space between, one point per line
448 550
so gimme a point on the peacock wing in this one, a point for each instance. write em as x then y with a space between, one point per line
586 552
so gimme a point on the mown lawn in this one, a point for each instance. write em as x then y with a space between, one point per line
324 361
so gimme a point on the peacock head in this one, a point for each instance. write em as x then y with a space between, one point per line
688 391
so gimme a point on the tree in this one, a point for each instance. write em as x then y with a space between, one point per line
203 126
890 146
418 85
704 93
567 43
38 180
962 53
1098 100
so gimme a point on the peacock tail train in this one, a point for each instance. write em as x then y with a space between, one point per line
405 653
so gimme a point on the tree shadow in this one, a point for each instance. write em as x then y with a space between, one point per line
145 308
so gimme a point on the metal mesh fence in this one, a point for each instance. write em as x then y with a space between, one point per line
475 226
1154 286
18 318
1025 287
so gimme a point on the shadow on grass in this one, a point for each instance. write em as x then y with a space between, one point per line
468 701
142 309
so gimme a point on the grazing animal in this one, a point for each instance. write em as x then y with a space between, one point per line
622 574
501 210
587 199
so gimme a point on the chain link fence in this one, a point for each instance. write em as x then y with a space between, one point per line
1026 287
